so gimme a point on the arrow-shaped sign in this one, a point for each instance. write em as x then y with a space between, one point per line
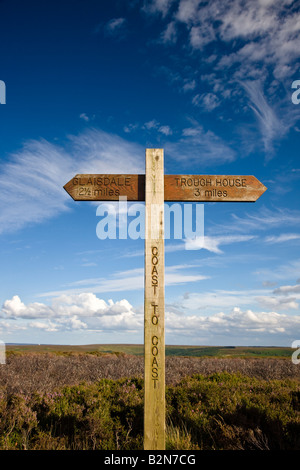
193 188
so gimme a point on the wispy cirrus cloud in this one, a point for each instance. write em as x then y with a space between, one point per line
213 243
282 238
250 51
203 147
116 28
272 128
208 101
284 271
263 219
32 178
267 30
130 280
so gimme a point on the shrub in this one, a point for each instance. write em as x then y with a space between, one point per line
209 411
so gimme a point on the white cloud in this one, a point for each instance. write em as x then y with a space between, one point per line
208 101
115 27
216 300
249 19
278 303
285 290
263 219
169 36
155 125
213 243
285 271
157 6
130 280
202 35
166 130
188 85
235 327
15 308
271 27
32 179
86 312
74 312
261 43
46 326
187 11
199 146
285 237
84 117
271 127
225 300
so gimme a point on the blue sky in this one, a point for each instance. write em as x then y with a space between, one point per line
89 86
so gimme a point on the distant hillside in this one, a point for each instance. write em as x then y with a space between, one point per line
171 350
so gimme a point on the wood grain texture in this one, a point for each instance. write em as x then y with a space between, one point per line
106 187
190 188
154 304
213 188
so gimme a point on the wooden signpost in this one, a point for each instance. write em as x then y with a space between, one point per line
155 188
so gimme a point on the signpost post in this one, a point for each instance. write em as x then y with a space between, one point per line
154 304
155 188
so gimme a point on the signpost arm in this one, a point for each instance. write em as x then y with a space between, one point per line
154 374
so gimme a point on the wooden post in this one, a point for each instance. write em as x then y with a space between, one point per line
154 331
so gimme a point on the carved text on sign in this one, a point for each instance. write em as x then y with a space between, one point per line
206 188
154 317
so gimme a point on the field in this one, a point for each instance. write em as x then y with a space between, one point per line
91 397
138 350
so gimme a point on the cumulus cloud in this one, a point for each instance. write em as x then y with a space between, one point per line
285 290
74 312
278 303
238 325
86 312
15 308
